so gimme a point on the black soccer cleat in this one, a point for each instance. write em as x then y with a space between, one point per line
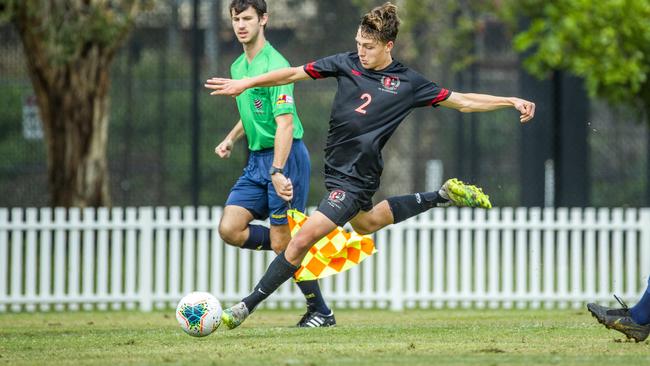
314 319
619 319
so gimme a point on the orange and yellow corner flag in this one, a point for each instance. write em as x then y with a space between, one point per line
336 252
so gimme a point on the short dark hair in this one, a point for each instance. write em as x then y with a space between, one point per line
241 5
381 23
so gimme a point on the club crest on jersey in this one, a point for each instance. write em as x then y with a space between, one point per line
390 82
337 196
258 105
284 99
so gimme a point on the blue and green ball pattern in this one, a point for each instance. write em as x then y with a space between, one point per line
194 315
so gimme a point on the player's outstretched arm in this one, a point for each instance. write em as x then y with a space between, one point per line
470 102
222 86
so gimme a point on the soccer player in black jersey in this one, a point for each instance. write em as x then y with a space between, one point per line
375 93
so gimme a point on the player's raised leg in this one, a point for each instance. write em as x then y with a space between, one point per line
464 195
399 208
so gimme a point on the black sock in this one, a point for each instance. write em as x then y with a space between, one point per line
410 205
258 238
315 300
279 271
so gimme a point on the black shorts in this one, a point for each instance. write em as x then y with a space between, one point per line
344 200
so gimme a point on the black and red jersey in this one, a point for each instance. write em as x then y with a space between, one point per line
368 107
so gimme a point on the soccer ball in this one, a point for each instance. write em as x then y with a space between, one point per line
199 314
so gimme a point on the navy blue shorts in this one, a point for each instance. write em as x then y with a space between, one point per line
254 190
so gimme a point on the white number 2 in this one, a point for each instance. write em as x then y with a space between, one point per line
368 98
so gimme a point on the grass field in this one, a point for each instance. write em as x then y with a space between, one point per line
363 337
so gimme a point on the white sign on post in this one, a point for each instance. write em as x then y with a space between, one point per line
32 126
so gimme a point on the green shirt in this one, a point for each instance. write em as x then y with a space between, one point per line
258 107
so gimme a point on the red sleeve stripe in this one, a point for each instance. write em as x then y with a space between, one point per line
444 94
309 69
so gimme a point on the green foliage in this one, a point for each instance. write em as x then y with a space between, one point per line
67 29
606 42
7 8
446 27
362 337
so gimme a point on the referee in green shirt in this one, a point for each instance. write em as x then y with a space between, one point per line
278 167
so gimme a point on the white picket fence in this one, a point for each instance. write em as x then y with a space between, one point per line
148 258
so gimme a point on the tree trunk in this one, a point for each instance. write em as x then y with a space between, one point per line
69 59
74 104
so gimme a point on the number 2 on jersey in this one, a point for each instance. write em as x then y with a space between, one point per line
368 98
